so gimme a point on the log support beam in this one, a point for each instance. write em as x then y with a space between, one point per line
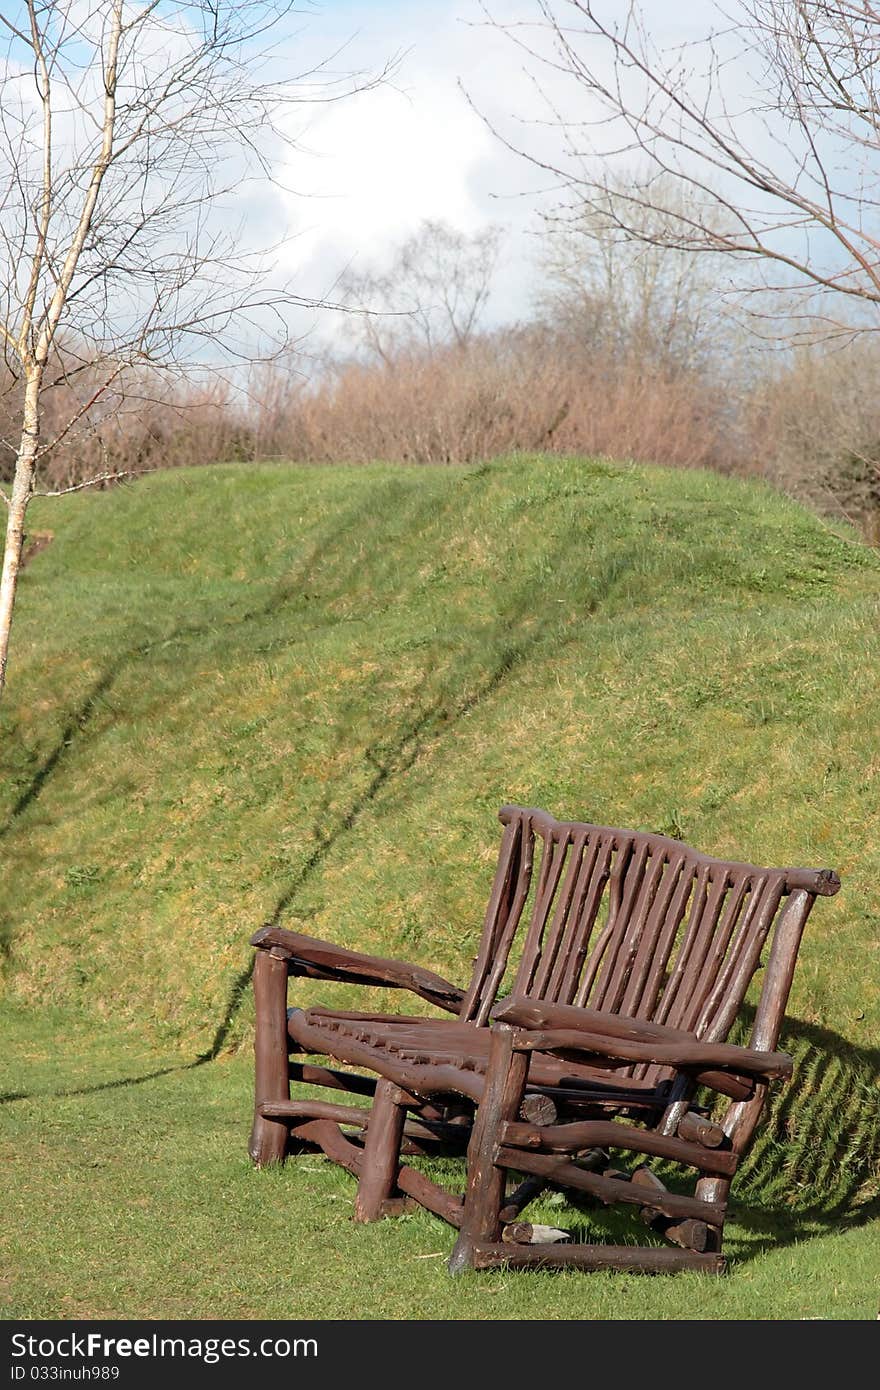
269 1136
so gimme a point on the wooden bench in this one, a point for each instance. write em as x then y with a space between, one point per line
624 958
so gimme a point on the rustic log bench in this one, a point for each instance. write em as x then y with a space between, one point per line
626 958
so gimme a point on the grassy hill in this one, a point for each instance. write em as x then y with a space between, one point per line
242 694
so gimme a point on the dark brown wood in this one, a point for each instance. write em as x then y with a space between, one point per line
645 1177
308 955
609 1190
691 1235
509 890
630 955
606 1134
269 1137
516 1202
515 900
329 1137
729 1083
428 1080
432 1056
381 1152
539 1109
431 1195
426 1136
541 1014
638 996
741 1119
631 1259
311 1075
694 1055
699 1130
314 1110
819 882
501 1101
355 1084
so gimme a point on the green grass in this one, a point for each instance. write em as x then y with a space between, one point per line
248 693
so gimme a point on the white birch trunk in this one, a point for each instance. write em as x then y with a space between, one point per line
18 502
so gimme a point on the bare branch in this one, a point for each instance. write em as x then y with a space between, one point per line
114 477
802 154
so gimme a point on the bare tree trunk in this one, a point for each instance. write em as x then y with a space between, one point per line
18 502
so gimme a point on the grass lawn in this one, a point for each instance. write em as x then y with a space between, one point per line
276 693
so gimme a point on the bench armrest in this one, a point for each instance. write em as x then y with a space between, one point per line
322 960
537 1013
624 1041
694 1056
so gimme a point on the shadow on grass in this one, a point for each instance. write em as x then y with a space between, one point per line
288 589
388 762
120 1082
814 1165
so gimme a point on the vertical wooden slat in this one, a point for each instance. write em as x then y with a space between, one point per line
551 949
714 957
586 859
497 911
520 893
698 948
699 900
606 935
719 1025
634 913
647 1004
552 864
585 910
757 886
632 1003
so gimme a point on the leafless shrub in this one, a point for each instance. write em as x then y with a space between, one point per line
514 390
815 423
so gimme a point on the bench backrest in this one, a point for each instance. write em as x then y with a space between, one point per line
630 923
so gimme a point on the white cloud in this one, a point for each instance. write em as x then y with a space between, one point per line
381 163
372 168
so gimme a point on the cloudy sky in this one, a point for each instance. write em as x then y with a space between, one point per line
372 167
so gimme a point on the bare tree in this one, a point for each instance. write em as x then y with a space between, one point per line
126 132
641 302
432 294
771 125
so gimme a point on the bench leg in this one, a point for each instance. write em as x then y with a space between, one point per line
505 1087
713 1190
268 1142
378 1180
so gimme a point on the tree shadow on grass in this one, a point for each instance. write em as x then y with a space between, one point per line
289 589
390 760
